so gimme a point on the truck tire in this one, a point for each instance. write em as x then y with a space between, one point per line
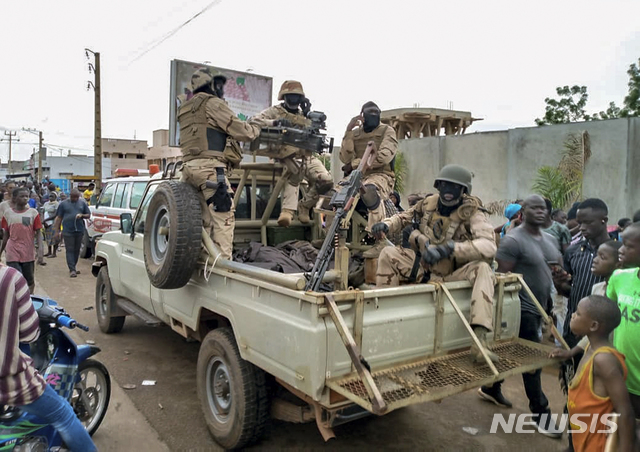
172 235
106 304
232 391
85 246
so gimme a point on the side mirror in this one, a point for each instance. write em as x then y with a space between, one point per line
126 223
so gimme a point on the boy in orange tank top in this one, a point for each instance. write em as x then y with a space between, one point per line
599 388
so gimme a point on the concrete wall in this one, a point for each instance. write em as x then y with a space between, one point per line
505 163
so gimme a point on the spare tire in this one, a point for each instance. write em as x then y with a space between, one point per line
172 234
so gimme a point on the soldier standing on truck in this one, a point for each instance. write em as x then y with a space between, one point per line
446 237
294 109
209 134
379 180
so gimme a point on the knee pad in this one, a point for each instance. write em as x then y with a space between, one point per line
370 197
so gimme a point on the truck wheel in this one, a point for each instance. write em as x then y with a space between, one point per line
106 304
172 235
232 391
85 246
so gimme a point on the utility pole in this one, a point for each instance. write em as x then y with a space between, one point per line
40 157
97 133
10 134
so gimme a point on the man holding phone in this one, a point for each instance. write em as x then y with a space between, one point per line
379 180
71 215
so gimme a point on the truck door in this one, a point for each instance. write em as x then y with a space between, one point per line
133 273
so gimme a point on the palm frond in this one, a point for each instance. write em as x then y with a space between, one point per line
400 168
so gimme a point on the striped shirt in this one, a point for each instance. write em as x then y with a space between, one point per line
577 262
20 382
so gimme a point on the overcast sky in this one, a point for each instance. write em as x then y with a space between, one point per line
497 59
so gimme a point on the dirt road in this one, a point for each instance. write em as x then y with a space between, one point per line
172 408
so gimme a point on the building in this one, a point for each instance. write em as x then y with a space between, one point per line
427 122
123 153
160 153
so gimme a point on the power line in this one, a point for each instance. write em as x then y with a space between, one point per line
166 36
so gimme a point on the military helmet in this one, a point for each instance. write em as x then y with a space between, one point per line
456 174
203 77
290 87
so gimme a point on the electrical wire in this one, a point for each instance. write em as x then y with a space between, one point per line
173 32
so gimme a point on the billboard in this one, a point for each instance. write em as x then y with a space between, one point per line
246 93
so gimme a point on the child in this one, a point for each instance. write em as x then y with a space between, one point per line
624 288
598 387
604 264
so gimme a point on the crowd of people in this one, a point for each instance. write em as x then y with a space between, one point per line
583 273
588 275
36 220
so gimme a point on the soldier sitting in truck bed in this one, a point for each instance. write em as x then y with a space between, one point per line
294 108
446 237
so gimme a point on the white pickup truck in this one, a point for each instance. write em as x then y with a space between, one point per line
269 348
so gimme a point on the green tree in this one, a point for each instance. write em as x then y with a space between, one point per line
569 107
562 185
632 99
572 102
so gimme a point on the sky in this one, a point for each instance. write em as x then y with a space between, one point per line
496 59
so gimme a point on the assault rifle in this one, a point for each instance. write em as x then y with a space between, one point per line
342 201
285 139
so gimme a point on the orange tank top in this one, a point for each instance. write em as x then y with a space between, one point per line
582 400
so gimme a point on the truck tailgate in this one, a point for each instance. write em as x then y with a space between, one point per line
417 347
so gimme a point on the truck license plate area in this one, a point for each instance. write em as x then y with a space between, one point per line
443 376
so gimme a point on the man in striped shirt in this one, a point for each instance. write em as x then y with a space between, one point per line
20 383
578 259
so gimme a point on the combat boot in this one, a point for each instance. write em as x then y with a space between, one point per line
285 218
475 352
304 214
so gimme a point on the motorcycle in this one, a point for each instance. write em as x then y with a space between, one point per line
66 366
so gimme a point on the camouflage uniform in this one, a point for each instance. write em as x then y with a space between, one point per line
312 169
475 248
381 174
208 133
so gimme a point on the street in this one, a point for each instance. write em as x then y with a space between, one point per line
173 413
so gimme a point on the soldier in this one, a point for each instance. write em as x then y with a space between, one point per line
209 131
294 108
378 181
446 237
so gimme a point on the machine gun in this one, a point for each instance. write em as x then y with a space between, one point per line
286 139
342 202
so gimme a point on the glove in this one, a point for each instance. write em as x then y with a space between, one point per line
347 169
436 253
379 228
305 105
221 199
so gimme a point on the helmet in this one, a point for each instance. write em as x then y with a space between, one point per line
203 77
456 174
290 87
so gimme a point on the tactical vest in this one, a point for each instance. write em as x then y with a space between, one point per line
197 138
296 119
439 228
360 140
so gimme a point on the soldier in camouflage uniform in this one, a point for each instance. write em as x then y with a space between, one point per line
294 108
446 237
378 181
209 131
